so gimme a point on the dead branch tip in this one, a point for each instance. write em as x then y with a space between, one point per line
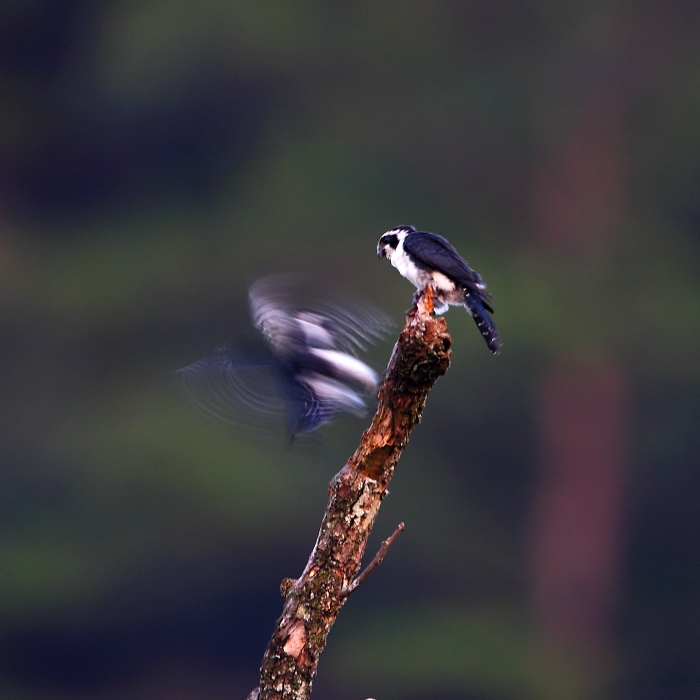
378 559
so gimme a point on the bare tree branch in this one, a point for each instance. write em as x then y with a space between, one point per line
313 601
378 559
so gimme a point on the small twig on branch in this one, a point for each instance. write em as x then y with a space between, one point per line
312 602
378 559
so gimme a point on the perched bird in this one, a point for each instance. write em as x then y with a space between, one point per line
306 373
428 259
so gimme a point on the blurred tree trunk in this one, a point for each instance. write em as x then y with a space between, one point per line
578 508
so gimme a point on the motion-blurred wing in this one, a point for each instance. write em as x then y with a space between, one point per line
355 324
305 376
265 396
290 322
236 390
306 411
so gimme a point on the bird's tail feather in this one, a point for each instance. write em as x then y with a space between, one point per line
483 323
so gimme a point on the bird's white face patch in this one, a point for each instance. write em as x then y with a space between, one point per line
390 242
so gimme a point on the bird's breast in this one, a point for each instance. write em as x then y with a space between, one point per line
402 262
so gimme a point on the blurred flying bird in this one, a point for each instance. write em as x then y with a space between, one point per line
425 258
305 375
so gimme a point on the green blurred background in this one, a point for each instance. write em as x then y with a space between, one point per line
156 156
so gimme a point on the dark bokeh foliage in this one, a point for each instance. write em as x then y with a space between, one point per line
157 157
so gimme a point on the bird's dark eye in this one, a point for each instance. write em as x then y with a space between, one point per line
391 239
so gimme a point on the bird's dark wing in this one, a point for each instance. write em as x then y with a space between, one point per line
432 252
261 394
305 411
237 390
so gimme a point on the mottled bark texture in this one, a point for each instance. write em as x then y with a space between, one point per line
312 602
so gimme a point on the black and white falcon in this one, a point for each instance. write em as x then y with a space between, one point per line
425 258
305 374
